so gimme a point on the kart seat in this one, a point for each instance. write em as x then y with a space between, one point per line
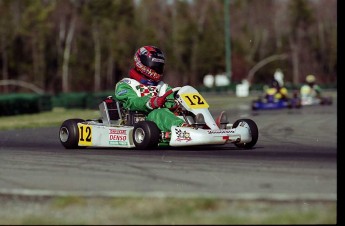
110 110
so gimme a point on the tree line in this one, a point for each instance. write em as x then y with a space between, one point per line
88 45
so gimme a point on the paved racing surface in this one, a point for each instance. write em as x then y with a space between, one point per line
295 156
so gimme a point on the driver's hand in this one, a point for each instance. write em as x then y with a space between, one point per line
156 102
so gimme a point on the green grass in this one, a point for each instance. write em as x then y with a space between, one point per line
44 119
131 210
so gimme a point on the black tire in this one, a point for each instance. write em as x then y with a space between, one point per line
299 104
254 108
69 134
294 103
329 100
253 130
290 104
146 135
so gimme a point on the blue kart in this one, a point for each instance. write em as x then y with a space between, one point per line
270 103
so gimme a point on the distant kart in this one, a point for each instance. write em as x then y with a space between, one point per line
310 100
312 96
121 128
271 103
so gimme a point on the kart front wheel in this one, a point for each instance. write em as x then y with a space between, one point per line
254 105
253 131
146 135
69 133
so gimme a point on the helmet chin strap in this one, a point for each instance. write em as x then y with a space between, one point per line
141 78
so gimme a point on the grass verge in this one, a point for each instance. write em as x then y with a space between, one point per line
162 211
44 119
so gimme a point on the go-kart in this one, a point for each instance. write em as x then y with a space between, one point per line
121 128
312 100
269 103
312 96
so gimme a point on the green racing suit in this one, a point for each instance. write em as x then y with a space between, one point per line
135 96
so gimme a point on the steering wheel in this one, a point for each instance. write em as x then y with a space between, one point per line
173 90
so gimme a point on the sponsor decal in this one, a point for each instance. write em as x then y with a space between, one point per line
117 134
123 143
117 131
220 131
117 137
182 135
127 81
121 92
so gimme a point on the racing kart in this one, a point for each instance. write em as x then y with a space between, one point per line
121 128
311 100
269 103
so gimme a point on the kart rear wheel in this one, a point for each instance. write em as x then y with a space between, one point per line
146 135
326 100
69 133
294 103
253 131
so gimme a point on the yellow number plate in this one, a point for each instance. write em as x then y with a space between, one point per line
85 135
194 100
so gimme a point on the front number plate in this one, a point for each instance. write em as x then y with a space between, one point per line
85 135
195 100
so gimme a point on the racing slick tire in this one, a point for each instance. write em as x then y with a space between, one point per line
254 107
295 103
253 131
146 135
326 100
69 134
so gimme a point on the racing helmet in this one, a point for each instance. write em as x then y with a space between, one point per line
149 61
310 79
275 84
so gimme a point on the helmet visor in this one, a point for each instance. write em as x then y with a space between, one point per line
156 64
158 67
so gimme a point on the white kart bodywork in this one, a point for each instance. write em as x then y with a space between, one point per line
310 100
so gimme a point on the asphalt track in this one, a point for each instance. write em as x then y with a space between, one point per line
295 158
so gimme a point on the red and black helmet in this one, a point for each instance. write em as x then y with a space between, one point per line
149 61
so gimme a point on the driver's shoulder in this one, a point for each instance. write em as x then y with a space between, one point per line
128 81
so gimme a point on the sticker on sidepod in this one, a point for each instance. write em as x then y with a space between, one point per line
85 135
194 100
220 131
182 135
117 137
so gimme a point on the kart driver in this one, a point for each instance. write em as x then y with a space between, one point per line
277 91
310 88
144 88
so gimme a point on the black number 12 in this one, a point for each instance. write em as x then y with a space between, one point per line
88 134
197 98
